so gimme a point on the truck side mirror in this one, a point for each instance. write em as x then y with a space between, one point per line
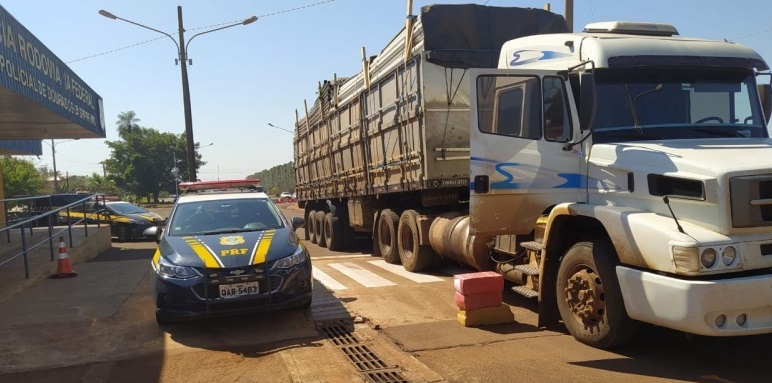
765 94
587 101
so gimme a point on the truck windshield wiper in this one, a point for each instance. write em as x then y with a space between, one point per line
632 133
718 132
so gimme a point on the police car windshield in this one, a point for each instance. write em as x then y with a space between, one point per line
126 208
224 216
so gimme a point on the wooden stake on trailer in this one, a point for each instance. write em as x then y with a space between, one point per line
366 69
308 129
408 31
335 89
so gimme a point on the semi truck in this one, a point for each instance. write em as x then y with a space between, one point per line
620 175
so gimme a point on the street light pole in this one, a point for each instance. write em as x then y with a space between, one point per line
183 60
191 149
53 157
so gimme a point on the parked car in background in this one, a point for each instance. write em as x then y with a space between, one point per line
126 220
228 249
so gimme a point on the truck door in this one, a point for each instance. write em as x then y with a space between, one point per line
521 121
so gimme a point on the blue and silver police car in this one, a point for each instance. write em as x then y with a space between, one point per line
227 249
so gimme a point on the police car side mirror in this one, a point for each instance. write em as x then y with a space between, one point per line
297 222
153 232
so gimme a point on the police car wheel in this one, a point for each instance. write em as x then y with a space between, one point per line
124 234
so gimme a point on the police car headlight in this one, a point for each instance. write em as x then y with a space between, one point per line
168 270
297 258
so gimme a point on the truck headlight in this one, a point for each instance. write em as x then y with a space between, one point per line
296 258
686 259
728 255
708 258
168 270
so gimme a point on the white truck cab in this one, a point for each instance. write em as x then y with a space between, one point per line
634 167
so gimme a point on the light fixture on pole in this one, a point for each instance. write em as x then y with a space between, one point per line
280 128
183 61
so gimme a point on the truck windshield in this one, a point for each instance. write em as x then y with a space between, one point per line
668 104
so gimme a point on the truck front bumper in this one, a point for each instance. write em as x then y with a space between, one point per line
728 307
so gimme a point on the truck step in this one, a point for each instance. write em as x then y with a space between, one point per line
525 291
532 245
528 269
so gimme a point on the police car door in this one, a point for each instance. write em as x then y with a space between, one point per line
520 123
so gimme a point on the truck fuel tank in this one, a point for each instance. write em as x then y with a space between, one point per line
449 236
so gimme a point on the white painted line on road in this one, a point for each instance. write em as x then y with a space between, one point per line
399 270
327 280
341 257
360 275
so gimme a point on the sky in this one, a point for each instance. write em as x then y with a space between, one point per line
245 77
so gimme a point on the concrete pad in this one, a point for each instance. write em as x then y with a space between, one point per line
82 249
449 334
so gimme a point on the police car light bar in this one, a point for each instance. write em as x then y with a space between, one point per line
224 184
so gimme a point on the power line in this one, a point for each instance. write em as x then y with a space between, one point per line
204 27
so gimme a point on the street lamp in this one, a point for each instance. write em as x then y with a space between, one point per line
274 126
183 60
53 156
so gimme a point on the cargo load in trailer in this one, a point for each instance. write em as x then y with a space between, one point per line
621 175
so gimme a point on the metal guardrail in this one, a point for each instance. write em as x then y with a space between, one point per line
35 216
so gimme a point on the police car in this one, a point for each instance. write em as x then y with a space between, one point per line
226 249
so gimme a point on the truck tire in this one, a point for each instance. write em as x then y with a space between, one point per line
387 236
311 225
306 229
589 299
414 256
333 232
319 229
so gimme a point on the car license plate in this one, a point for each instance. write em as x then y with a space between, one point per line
239 289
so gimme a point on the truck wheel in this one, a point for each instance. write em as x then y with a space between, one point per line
306 230
413 255
387 236
589 299
333 232
319 229
311 225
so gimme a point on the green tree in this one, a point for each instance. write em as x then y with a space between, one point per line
280 178
20 177
141 161
127 122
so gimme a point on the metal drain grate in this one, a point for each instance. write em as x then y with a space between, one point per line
372 367
363 358
339 335
389 376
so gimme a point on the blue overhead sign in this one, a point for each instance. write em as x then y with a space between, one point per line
28 68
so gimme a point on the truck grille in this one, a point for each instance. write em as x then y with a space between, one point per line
751 201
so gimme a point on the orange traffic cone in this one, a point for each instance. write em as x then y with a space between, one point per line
63 266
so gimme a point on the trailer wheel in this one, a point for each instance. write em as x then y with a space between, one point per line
333 232
387 236
414 256
319 228
306 229
589 299
311 225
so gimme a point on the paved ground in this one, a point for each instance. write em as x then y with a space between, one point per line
99 327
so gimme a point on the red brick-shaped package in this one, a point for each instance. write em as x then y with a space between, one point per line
477 283
478 301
